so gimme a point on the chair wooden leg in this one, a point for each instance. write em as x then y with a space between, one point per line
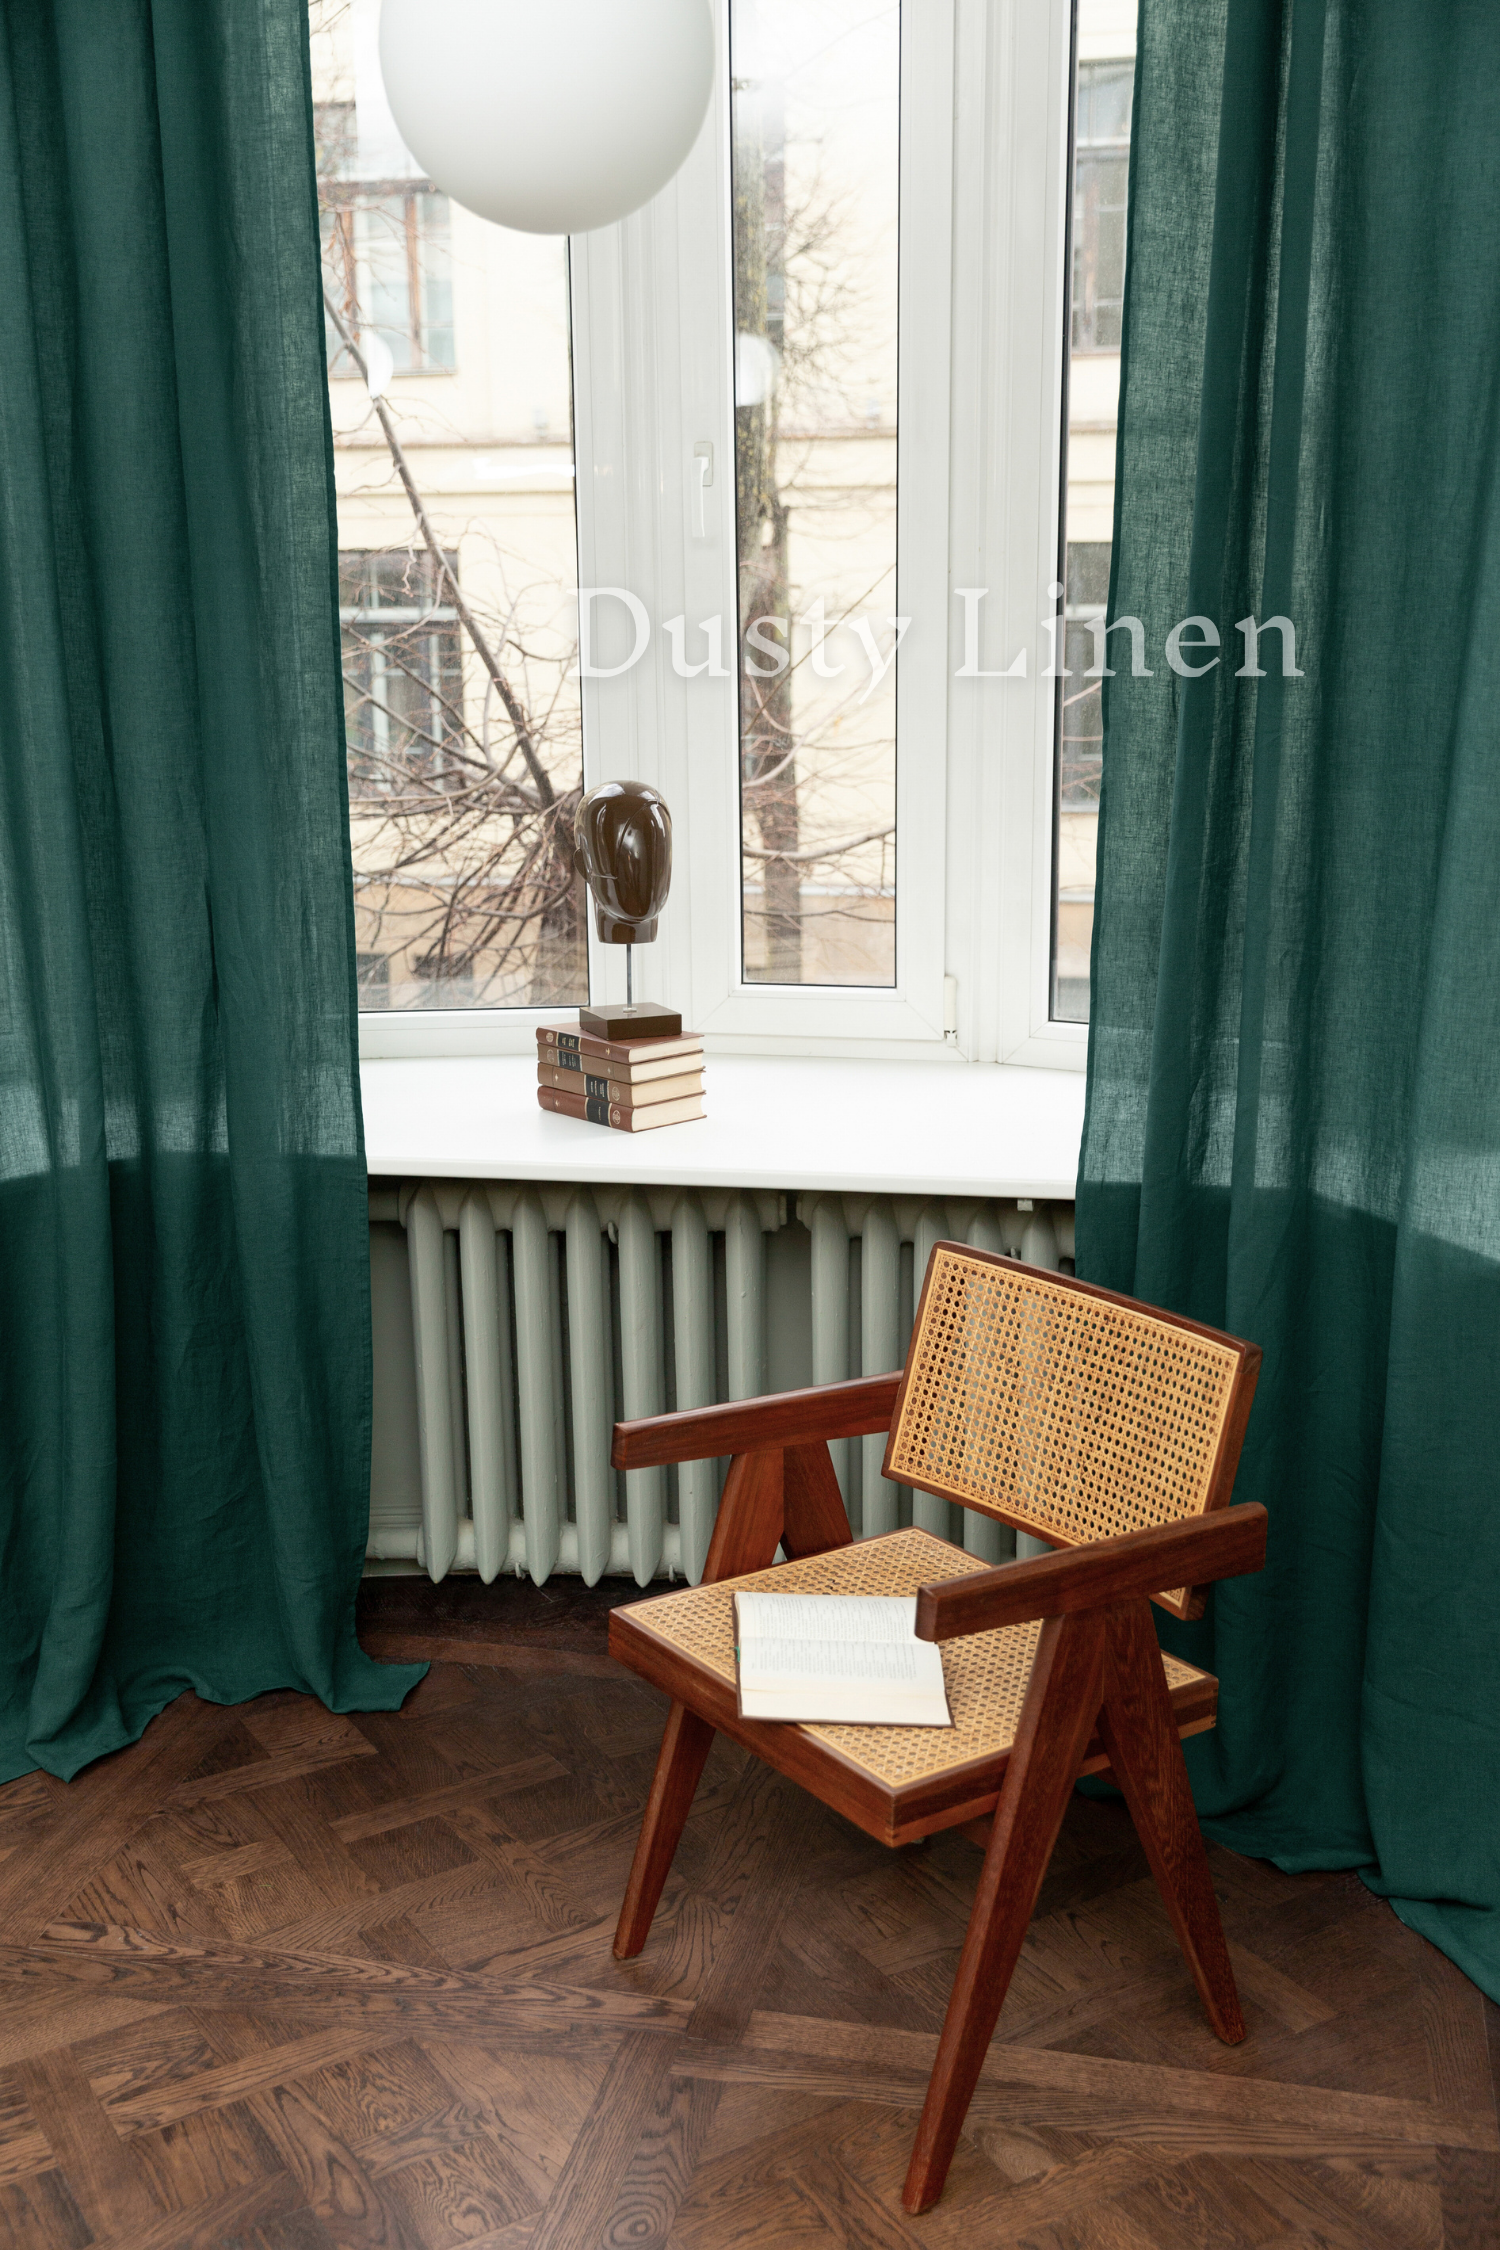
1145 1749
679 1767
815 1520
748 1525
1062 1703
746 1532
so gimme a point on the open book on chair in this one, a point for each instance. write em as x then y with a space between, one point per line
838 1659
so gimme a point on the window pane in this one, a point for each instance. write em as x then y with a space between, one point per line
1098 248
816 180
1101 159
436 279
403 673
463 722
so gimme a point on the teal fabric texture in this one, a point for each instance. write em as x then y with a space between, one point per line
184 1275
1293 1123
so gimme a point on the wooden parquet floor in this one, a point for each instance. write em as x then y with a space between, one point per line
274 1980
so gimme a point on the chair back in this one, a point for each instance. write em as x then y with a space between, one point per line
1065 1410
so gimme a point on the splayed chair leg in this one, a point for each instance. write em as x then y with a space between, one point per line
1062 1703
1145 1749
679 1767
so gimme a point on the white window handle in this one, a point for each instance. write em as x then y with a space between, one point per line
703 456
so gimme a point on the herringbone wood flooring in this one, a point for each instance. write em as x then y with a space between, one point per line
273 1980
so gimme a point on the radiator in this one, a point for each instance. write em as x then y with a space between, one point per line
515 1323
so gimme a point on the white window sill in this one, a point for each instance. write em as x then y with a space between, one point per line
887 1128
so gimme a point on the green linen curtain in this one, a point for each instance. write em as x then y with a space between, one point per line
184 1338
1293 1124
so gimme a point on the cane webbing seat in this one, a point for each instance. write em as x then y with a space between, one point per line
986 1674
1062 1412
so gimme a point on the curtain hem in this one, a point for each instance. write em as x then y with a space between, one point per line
367 1685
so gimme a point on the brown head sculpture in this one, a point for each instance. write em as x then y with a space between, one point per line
624 851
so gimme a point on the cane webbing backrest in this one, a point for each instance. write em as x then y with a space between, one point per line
1068 1414
987 1674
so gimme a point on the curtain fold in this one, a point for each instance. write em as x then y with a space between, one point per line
1293 1125
184 1274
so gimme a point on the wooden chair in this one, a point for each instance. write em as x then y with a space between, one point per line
1105 1428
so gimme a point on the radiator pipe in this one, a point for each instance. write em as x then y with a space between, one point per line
879 1350
486 1368
693 1367
592 1382
640 1354
429 1319
830 1317
541 1470
745 1296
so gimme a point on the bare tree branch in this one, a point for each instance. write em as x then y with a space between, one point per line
824 851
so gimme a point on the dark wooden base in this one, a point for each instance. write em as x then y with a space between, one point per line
644 1020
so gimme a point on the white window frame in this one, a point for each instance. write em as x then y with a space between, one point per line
984 191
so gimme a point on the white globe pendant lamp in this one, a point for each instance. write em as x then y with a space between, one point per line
552 116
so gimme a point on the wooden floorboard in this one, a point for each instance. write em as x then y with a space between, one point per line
277 1980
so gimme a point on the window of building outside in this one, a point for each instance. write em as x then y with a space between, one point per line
385 252
815 151
1104 41
387 259
403 696
460 653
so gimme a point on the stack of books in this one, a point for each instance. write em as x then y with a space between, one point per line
632 1085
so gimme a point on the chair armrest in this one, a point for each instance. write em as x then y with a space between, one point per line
1225 1544
750 1425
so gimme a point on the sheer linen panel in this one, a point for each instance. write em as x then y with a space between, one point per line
1293 1125
184 1275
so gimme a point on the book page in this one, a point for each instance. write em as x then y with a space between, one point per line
827 1618
852 1659
764 1659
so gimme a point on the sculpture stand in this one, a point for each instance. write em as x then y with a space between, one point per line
636 1020
644 1021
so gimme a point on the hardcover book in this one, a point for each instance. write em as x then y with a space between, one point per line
624 1120
837 1659
619 1073
570 1041
628 1093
